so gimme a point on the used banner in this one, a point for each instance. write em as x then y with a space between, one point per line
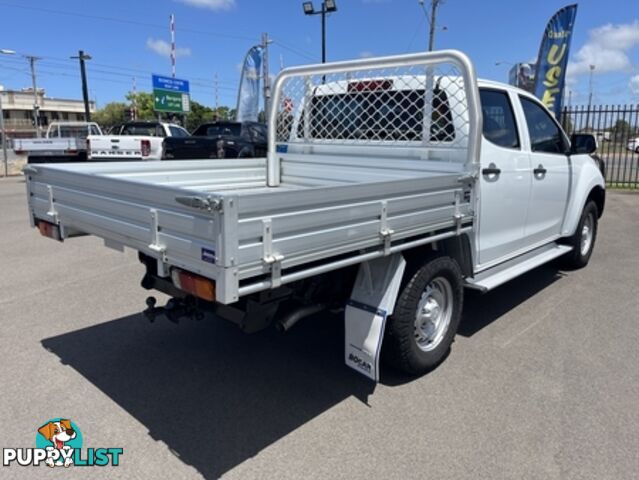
553 59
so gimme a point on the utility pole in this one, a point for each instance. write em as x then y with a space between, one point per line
36 108
85 88
432 21
265 75
217 98
4 139
433 16
134 110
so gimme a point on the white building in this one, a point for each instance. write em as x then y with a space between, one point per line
17 106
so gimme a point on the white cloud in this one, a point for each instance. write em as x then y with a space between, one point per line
164 48
210 4
606 49
634 84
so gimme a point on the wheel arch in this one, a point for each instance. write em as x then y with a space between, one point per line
457 247
598 195
587 184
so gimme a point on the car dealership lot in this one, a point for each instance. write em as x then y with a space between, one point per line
542 382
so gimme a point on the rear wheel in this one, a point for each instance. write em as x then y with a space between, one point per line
427 313
583 240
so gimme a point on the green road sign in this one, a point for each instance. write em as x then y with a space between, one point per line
167 101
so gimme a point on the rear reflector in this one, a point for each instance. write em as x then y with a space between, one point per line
49 230
196 285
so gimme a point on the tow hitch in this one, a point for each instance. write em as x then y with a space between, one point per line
174 310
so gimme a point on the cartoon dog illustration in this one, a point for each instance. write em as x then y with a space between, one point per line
58 433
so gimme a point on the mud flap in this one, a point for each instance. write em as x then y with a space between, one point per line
372 301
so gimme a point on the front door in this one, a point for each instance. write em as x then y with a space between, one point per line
505 180
550 174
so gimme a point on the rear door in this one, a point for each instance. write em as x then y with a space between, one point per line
550 165
505 180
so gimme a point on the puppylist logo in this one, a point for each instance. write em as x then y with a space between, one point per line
59 444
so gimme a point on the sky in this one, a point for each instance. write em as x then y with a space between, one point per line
130 39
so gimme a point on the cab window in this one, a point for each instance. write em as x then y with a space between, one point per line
499 126
545 134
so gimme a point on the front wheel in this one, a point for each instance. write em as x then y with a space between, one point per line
426 316
583 240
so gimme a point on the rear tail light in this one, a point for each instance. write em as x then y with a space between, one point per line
369 85
49 230
145 147
196 285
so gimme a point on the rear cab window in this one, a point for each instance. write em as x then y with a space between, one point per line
373 110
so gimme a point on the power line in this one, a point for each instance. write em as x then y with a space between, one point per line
125 21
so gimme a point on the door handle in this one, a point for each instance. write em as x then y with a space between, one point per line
540 170
491 170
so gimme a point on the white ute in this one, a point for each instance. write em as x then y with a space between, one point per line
63 142
391 185
136 140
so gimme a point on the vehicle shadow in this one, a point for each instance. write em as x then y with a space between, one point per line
480 310
215 396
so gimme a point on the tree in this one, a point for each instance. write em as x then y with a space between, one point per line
143 105
117 112
110 114
198 115
621 130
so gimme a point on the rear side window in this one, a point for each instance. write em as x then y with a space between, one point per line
545 134
500 126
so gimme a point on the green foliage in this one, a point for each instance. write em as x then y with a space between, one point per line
117 112
143 102
110 114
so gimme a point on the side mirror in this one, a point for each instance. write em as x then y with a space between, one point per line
583 143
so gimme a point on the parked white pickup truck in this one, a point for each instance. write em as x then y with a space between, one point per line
390 185
63 142
133 141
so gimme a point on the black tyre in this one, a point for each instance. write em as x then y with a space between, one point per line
583 240
427 313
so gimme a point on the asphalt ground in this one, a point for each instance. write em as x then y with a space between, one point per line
542 381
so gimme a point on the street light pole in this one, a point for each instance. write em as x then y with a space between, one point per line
323 33
85 89
328 6
592 69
